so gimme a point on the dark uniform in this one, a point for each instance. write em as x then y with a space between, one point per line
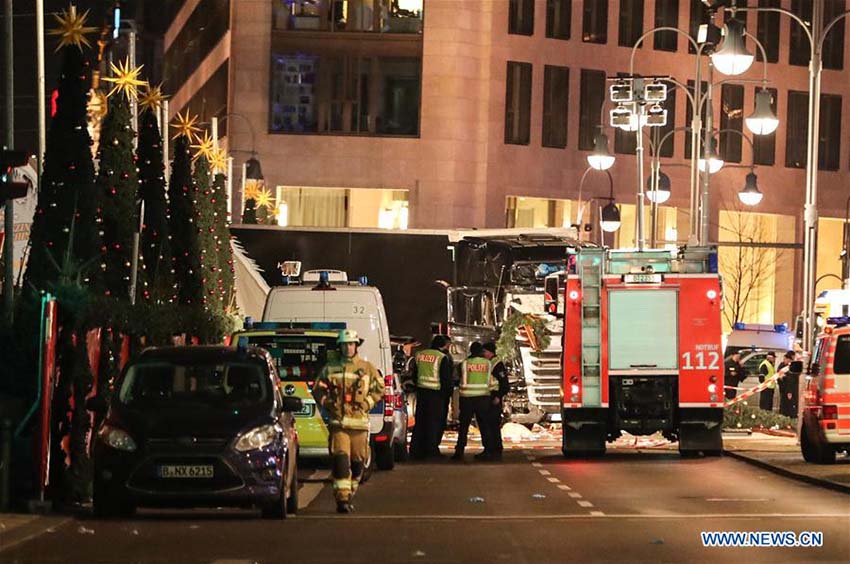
788 391
732 376
500 373
432 373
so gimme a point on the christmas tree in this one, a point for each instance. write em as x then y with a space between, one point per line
118 182
249 214
205 223
155 244
67 196
182 225
223 251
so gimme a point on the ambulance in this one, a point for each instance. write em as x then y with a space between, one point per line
826 402
642 349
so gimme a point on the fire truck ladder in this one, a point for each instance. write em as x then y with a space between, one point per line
591 263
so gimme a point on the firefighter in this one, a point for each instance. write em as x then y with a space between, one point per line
347 388
476 385
732 375
432 373
497 397
767 369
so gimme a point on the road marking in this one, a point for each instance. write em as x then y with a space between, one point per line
597 513
574 495
544 472
736 499
537 465
564 487
572 516
49 523
308 493
553 479
584 503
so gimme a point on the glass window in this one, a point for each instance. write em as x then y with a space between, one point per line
343 93
590 105
800 48
518 103
796 129
631 22
556 89
297 206
211 99
521 17
201 33
768 31
829 144
297 358
545 212
558 13
667 15
833 45
731 117
764 146
699 16
595 21
378 16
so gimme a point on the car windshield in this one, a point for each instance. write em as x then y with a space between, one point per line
220 385
297 358
841 364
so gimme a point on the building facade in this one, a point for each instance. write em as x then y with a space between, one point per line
481 113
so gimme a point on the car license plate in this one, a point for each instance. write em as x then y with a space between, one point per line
186 471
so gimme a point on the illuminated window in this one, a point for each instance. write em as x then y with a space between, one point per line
298 206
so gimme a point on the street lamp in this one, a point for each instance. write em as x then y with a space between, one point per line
660 193
762 121
713 160
610 218
601 158
731 56
607 218
750 195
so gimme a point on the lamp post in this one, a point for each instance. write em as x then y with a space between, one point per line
607 215
251 169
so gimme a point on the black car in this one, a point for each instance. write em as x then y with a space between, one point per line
197 426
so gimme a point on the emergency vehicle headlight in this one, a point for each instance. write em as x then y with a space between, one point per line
117 438
256 438
574 295
711 294
574 389
712 388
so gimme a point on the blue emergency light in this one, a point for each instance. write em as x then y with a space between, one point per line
242 344
843 320
364 281
324 277
781 328
249 323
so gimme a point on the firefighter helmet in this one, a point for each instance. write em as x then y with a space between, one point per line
348 336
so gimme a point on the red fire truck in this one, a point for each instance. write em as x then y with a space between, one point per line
642 349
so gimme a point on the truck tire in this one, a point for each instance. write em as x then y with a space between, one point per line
814 450
384 457
400 452
694 439
582 443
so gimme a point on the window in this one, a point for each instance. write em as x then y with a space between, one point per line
308 206
829 144
594 27
768 31
731 117
690 115
342 92
518 103
521 17
699 16
798 119
800 48
666 150
592 97
833 45
203 30
541 212
764 146
842 355
377 16
631 22
558 13
666 14
556 87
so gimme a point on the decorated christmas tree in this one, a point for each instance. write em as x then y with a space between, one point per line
183 224
223 251
205 223
155 244
67 199
118 182
249 214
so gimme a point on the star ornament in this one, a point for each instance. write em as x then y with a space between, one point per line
72 28
185 126
218 160
125 79
205 147
152 98
264 198
251 190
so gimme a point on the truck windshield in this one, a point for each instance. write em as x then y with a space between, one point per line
472 306
841 365
160 384
297 358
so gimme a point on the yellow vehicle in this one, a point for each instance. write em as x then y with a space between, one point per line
299 350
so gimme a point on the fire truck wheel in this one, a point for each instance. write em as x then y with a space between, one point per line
814 450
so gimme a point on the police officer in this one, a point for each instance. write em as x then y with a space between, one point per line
767 369
788 390
732 375
432 373
500 373
476 385
347 388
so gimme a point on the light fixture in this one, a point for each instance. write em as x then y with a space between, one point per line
663 193
715 163
600 158
252 169
750 195
635 122
762 121
610 218
731 56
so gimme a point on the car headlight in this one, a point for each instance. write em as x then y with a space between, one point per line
257 438
117 438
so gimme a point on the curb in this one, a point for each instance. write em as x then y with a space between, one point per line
827 484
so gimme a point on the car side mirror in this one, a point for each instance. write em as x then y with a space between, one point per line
96 404
291 404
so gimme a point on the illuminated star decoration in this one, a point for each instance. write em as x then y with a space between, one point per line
251 190
185 126
125 79
152 98
264 198
218 160
72 28
204 147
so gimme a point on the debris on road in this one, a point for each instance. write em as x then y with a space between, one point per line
84 531
476 499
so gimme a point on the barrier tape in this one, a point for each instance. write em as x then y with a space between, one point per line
752 391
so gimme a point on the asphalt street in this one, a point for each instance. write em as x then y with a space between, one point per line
535 506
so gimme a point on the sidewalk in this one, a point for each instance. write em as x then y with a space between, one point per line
782 455
16 528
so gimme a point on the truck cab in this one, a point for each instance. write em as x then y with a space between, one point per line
826 401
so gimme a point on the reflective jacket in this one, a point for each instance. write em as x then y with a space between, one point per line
428 368
477 378
767 370
348 388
